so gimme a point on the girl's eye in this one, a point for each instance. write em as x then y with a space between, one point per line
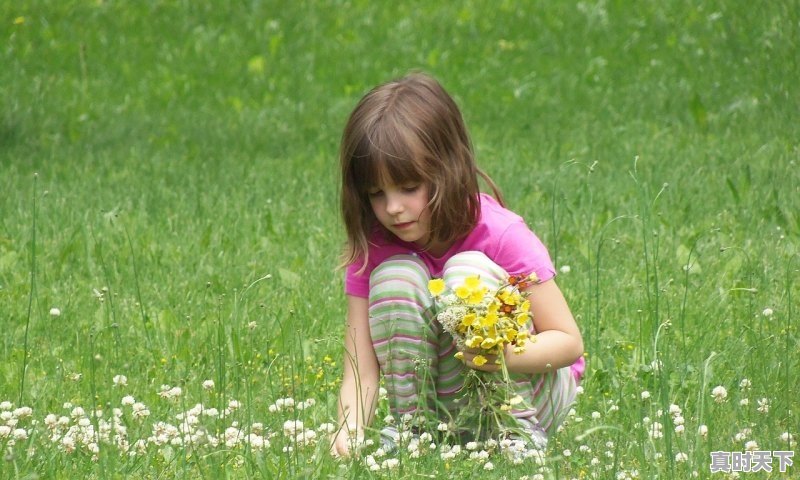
374 193
411 188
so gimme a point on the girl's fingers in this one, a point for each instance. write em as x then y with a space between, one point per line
488 366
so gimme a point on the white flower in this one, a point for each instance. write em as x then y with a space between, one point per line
763 405
719 393
140 410
208 385
767 312
702 430
55 312
50 420
211 412
681 457
292 427
656 430
23 412
565 269
745 384
744 402
751 446
442 427
645 395
488 466
120 380
679 429
595 415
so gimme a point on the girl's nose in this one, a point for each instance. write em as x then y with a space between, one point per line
394 205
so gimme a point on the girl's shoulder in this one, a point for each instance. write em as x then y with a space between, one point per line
495 216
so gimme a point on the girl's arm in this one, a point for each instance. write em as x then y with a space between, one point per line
558 340
359 392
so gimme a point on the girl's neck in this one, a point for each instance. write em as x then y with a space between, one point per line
436 249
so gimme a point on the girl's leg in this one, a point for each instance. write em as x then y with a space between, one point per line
547 396
404 335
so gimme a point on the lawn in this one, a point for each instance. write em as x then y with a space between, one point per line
169 229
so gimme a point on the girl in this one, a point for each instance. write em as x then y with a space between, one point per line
413 211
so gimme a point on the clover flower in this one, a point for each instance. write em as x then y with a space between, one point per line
719 393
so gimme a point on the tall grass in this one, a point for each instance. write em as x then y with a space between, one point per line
186 225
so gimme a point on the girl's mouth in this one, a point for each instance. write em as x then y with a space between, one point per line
402 226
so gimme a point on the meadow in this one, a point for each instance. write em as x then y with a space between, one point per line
170 304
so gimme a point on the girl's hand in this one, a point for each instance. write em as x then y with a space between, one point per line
492 361
340 444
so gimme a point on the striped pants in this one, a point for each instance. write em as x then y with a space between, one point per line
416 355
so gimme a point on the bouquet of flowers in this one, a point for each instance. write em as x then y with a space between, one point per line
487 320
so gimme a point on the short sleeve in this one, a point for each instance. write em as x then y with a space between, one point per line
520 252
355 284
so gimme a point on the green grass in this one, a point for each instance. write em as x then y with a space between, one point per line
185 150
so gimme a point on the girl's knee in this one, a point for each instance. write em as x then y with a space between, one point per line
400 278
471 263
408 268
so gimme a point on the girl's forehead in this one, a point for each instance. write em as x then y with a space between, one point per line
392 173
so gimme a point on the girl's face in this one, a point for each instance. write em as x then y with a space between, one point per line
403 210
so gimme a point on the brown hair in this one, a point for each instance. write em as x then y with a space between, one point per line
409 130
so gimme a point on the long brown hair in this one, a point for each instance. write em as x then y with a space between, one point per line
409 130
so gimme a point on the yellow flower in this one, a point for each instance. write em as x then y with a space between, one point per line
473 283
462 292
516 400
436 286
475 297
526 306
519 349
479 360
510 334
473 342
488 343
468 320
522 318
508 297
489 320
533 277
459 355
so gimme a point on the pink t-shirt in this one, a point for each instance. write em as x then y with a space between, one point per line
500 234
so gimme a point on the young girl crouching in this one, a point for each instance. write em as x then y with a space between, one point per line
413 211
